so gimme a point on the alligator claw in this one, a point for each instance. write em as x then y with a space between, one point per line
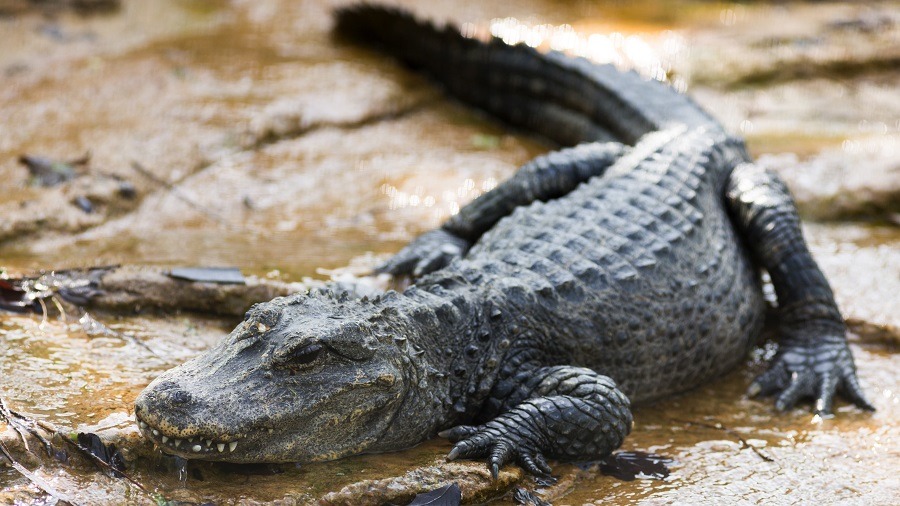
811 370
500 448
854 392
802 385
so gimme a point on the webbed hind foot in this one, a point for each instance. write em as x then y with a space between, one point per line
814 359
815 369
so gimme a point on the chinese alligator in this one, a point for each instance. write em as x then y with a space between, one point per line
624 269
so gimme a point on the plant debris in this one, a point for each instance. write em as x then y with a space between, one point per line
48 172
628 466
525 498
219 275
35 479
177 193
16 299
83 203
50 7
112 457
448 495
108 458
94 327
135 288
730 432
22 425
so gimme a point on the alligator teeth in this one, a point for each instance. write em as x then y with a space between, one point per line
155 432
190 440
271 431
232 445
142 424
177 443
196 448
220 447
165 439
208 442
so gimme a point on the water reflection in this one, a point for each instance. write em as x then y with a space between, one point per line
628 51
442 206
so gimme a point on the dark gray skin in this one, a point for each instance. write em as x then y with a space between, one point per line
622 270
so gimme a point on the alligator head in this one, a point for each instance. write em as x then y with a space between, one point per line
301 379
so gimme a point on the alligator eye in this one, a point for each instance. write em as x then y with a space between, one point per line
307 354
302 358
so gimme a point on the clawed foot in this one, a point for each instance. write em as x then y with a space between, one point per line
500 444
427 253
816 370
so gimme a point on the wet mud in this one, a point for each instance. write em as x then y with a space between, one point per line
252 138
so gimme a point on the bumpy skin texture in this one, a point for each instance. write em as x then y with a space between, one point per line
622 270
813 360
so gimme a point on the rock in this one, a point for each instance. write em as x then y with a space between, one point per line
473 478
130 288
81 6
862 263
61 208
860 179
761 48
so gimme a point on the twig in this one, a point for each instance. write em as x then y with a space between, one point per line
44 313
115 333
11 418
730 432
59 307
178 194
35 479
153 495
135 341
48 447
17 421
8 416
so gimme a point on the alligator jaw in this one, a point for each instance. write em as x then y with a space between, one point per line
198 446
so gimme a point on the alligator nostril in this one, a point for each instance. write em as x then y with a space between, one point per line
181 397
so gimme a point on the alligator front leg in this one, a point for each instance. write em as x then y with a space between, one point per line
562 412
546 177
813 359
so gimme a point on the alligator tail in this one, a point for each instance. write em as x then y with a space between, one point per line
567 100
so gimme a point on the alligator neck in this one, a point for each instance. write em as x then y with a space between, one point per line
439 323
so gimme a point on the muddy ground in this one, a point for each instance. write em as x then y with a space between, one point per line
242 134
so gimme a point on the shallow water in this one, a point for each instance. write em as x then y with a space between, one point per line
291 152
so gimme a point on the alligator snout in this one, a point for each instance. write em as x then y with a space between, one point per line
170 393
173 418
165 397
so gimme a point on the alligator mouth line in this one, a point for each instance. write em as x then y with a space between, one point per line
198 446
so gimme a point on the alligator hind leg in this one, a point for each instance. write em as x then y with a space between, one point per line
813 358
546 177
561 412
